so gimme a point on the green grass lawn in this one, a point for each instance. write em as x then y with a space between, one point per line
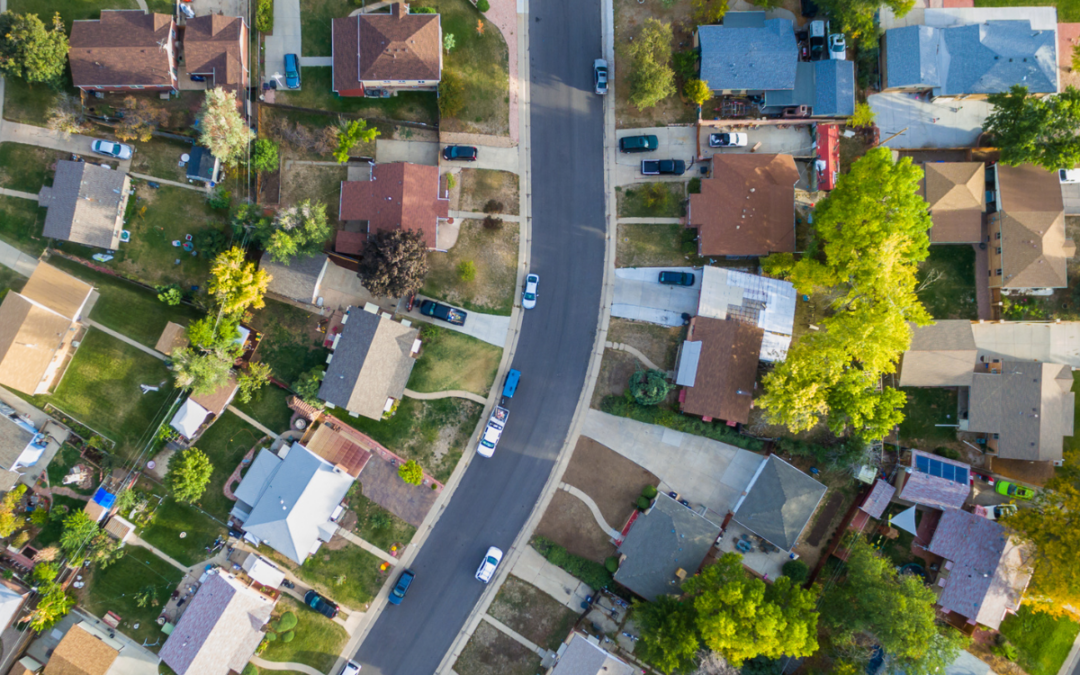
652 245
950 293
349 575
160 157
27 103
318 93
10 280
21 223
482 63
114 588
494 253
288 346
1042 641
1068 10
171 520
26 167
70 10
50 534
126 307
652 200
268 405
450 360
383 530
315 30
318 640
925 408
225 443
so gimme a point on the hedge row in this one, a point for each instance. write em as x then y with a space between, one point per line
264 16
594 574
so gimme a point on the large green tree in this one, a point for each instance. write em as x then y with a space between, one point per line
79 530
299 230
350 135
669 638
30 51
856 18
204 371
223 129
871 234
54 605
1029 129
189 474
652 78
237 285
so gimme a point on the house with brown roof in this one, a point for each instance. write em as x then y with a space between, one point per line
942 354
956 194
387 52
216 47
82 651
125 50
86 204
717 369
38 327
746 206
372 359
199 411
399 196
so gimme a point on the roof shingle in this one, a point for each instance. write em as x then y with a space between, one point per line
86 204
126 47
398 196
379 47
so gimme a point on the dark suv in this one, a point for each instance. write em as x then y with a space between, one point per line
638 143
459 153
320 604
677 278
401 587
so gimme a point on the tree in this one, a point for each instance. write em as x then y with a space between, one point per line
45 572
67 115
204 372
411 473
211 242
170 294
697 91
253 379
265 156
10 522
237 285
483 5
451 93
299 230
394 263
708 12
855 18
55 603
742 617
188 475
350 135
466 270
872 233
669 638
651 76
449 42
863 117
307 387
209 333
1035 130
140 119
223 130
30 51
79 530
649 387
796 570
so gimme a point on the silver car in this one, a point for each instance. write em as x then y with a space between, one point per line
489 564
111 149
529 295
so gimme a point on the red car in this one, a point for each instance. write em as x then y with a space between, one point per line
984 477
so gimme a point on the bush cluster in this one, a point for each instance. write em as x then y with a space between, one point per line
592 573
264 16
618 405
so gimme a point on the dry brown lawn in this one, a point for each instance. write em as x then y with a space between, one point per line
478 186
307 181
570 524
533 613
495 254
659 343
490 652
613 481
616 367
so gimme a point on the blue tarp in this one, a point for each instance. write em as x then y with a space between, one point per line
105 498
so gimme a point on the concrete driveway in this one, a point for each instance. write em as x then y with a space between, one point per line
487 327
703 471
674 143
226 7
794 140
416 152
952 124
285 40
487 157
640 296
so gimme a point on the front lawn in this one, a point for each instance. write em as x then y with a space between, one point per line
652 200
480 186
494 255
289 346
70 10
375 524
27 167
532 613
453 361
268 406
1068 10
114 589
491 652
482 64
27 103
174 519
315 29
1042 641
652 245
348 575
21 224
317 93
926 408
949 278
317 641
225 443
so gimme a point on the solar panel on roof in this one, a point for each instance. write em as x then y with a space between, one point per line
947 471
961 476
922 464
935 468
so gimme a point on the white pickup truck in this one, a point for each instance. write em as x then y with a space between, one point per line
492 431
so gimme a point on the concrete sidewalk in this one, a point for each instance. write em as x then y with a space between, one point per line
285 40
14 259
532 568
490 328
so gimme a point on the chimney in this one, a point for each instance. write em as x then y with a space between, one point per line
400 9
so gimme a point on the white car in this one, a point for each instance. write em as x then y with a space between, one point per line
727 140
111 149
492 432
837 47
351 668
1069 175
528 296
489 564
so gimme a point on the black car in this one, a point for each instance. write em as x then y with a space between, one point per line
444 312
320 604
663 167
464 153
677 278
638 143
401 587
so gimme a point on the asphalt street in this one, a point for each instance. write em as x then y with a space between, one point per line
496 495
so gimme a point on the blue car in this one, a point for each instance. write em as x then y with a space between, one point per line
292 71
402 587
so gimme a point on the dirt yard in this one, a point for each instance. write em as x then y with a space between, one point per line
495 256
314 182
659 343
570 524
476 187
613 481
533 613
490 652
615 370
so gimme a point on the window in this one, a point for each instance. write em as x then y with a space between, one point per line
997 235
998 273
989 273
998 249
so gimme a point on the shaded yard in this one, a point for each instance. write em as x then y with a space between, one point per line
318 640
21 224
1042 641
947 282
450 360
926 408
532 613
652 200
27 167
290 344
494 253
652 245
225 443
268 406
10 280
49 535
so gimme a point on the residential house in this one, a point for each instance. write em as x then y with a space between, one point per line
119 528
287 501
261 570
173 337
372 359
202 165
216 47
83 650
778 502
86 204
826 87
717 368
299 280
582 655
12 598
21 446
746 206
665 545
81 645
219 631
942 354
766 303
987 569
399 196
934 481
376 54
878 499
38 328
956 194
126 50
336 446
199 411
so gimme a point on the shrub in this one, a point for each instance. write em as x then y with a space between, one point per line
656 196
863 116
649 387
466 270
286 622
948 453
451 95
421 10
380 520
694 187
483 5
270 637
264 16
697 91
592 573
491 223
649 492
288 637
642 503
411 473
685 64
611 564
796 570
1005 650
493 206
170 294
220 198
265 156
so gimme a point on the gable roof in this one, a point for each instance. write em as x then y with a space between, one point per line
86 204
942 354
878 499
778 502
926 481
299 280
173 337
215 45
582 657
990 569
753 299
398 196
1031 215
220 630
394 46
746 206
372 362
57 290
722 383
751 55
216 401
956 194
827 86
81 653
126 47
15 436
665 539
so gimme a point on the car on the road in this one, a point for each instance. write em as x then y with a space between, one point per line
351 668
663 167
292 71
460 153
1069 175
401 587
638 143
320 604
677 278
600 73
528 296
727 140
1013 490
983 477
837 47
111 149
492 431
447 313
489 564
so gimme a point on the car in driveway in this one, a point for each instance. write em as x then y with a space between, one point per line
489 564
638 143
837 47
1013 490
1068 176
663 167
460 153
397 594
320 604
528 296
727 140
677 278
447 313
351 668
600 74
292 71
111 149
983 477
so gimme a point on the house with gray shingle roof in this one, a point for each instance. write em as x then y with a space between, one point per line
86 204
584 656
827 86
299 279
778 502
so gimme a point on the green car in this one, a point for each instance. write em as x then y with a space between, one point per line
1008 489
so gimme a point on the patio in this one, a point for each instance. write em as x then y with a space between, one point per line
737 539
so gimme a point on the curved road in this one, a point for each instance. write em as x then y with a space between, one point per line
496 496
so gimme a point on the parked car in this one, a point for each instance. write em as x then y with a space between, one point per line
459 153
727 140
320 604
666 167
111 149
837 47
1003 511
401 587
600 71
1013 490
1069 175
638 143
677 278
493 431
528 296
351 668
984 477
489 564
444 312
292 71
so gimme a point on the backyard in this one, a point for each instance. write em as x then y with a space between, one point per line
375 524
290 345
49 534
317 641
494 257
339 570
61 465
490 652
925 409
317 92
268 405
225 443
182 532
652 245
160 157
10 280
652 200
450 360
317 183
21 224
947 282
533 613
1042 642
1068 10
27 167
